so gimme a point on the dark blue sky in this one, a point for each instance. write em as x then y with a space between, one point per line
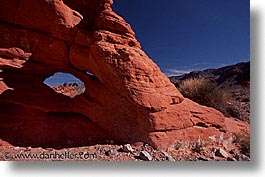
186 35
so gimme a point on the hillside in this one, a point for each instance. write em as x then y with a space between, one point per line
234 80
225 77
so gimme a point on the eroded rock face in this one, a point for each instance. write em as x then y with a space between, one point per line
127 100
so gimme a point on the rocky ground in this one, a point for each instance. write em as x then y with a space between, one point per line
217 150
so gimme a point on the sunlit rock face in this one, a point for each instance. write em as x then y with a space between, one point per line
127 98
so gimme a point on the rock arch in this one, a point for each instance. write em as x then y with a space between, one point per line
134 101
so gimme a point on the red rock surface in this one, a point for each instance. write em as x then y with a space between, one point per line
127 100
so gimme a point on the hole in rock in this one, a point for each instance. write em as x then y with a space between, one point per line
66 84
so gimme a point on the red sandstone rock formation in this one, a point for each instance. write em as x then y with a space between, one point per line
70 91
128 99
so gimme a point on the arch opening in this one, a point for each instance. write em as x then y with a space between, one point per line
66 84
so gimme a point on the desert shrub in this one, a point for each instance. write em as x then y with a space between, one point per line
209 94
202 91
232 111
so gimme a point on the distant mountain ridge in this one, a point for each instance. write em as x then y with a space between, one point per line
228 76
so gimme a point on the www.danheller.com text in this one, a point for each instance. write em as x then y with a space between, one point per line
49 156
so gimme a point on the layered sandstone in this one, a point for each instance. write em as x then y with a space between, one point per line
128 99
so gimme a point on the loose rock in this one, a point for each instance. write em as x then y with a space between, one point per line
221 153
245 158
168 157
112 152
233 152
127 148
231 159
144 155
203 159
28 149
